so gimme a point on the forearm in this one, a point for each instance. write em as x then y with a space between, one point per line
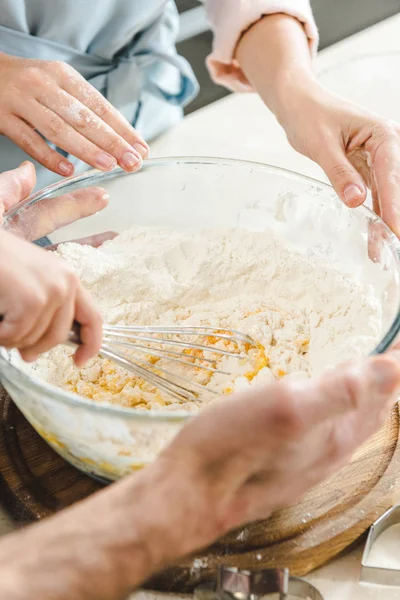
102 548
275 56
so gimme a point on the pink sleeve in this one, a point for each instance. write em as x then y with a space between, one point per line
229 18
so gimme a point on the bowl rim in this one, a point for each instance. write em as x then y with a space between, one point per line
21 379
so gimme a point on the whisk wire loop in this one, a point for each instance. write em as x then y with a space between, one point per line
147 350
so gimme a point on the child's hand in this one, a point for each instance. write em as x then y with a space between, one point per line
40 296
51 99
44 217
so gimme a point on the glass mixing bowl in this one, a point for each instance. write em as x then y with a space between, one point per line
109 441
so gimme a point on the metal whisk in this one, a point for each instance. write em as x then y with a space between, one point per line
168 344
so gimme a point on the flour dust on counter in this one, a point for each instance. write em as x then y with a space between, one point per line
302 314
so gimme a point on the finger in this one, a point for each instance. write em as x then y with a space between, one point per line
59 132
375 233
89 317
345 434
42 218
92 127
56 333
288 411
375 197
95 241
345 179
95 101
386 166
360 160
40 325
345 389
24 136
17 323
16 185
365 400
272 491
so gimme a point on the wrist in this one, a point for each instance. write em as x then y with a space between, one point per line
176 501
294 91
159 513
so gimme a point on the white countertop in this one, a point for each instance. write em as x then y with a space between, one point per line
239 126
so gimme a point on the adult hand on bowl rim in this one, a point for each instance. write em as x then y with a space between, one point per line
53 99
355 147
238 461
43 218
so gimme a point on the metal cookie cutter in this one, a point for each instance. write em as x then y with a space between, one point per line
380 575
268 584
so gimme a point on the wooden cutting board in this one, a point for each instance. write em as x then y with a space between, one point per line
35 482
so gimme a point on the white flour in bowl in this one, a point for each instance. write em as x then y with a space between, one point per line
302 314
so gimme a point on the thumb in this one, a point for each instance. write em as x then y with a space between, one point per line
16 185
345 179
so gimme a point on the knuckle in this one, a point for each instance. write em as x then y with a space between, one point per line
340 171
37 300
58 289
63 284
286 417
351 389
321 139
68 281
81 119
324 136
104 110
27 142
54 126
115 146
62 68
71 277
32 75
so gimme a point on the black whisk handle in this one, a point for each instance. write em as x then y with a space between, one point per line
75 334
